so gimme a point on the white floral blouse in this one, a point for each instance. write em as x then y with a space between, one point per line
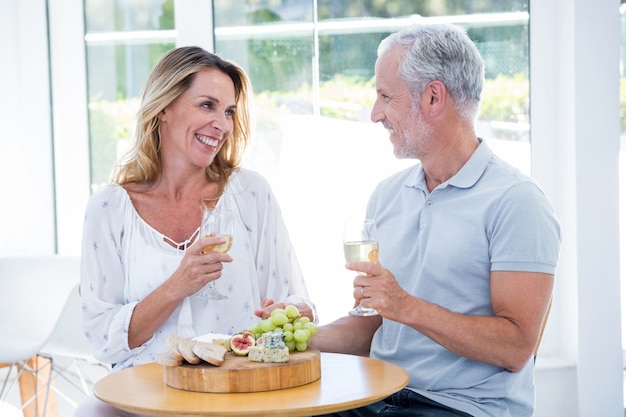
124 259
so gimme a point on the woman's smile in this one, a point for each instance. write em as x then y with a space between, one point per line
209 141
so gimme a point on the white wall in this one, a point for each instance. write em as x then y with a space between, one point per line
26 171
575 145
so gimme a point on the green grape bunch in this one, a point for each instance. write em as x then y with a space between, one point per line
297 330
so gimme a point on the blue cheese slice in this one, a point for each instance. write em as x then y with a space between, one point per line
267 354
272 340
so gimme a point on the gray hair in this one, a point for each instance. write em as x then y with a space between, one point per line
444 53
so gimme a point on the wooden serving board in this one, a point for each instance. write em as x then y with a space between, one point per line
240 374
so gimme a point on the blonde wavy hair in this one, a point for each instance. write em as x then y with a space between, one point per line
170 78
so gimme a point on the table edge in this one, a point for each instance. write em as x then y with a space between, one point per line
299 412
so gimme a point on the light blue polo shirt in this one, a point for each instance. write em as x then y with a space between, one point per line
441 247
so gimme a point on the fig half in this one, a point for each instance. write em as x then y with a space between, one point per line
241 343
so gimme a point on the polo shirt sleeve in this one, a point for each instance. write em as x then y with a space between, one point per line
524 233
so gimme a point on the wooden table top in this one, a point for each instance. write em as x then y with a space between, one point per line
347 382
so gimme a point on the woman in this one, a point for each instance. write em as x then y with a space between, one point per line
143 267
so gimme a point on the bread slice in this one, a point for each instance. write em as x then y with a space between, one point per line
180 349
185 347
172 346
210 352
165 359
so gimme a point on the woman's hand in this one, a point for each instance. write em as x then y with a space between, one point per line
268 305
197 268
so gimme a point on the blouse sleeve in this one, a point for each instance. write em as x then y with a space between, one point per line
278 270
105 314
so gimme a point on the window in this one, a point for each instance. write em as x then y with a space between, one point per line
124 41
311 64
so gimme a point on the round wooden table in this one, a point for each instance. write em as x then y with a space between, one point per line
347 382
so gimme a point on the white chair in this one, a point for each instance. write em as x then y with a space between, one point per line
7 410
71 355
33 291
541 330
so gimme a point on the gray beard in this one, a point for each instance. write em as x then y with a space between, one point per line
414 144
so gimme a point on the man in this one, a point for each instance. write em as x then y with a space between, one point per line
468 244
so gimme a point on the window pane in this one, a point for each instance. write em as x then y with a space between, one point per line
247 12
108 16
274 42
332 9
124 41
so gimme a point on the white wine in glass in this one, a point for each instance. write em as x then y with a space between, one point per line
360 244
216 223
223 247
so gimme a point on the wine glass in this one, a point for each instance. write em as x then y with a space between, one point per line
216 223
360 244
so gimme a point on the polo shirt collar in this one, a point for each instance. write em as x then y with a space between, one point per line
467 176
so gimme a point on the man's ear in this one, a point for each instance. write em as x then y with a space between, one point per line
436 92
